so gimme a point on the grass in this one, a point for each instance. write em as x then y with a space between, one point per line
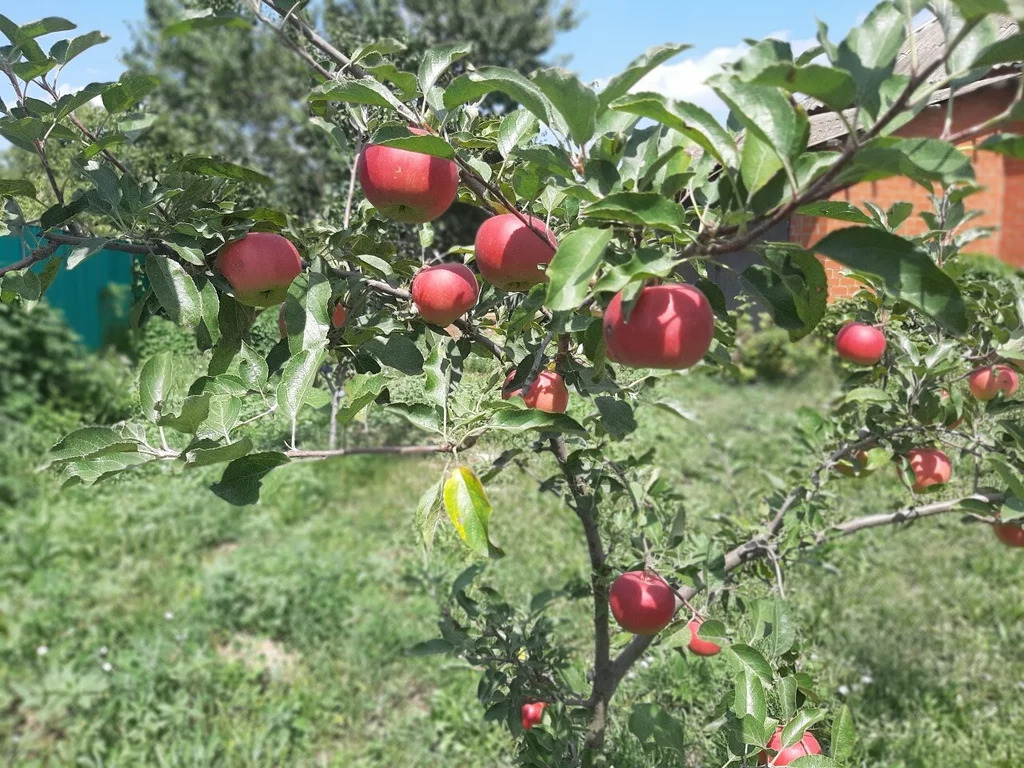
145 622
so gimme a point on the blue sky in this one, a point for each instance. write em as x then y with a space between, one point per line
611 33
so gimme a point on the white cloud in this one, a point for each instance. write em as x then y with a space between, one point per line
685 78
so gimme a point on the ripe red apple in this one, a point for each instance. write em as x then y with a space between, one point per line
699 645
337 318
532 714
860 343
444 292
259 267
407 186
671 326
642 603
1011 534
985 383
548 392
338 315
931 467
808 745
510 254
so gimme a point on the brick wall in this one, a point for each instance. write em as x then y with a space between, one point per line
1001 202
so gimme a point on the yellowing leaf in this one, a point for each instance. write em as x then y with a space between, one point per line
466 503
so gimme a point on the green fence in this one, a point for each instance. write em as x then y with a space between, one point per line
96 299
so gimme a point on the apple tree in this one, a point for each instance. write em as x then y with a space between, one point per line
548 332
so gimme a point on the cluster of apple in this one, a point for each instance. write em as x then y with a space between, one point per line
670 326
864 344
643 603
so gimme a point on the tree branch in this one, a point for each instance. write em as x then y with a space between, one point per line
39 254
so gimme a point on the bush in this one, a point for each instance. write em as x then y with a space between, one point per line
44 363
763 351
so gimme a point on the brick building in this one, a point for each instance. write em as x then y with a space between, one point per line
1001 201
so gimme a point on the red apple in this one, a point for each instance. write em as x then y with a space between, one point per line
985 383
699 645
337 318
338 315
407 186
671 326
532 714
444 292
259 267
931 467
642 603
860 343
510 254
1011 534
548 392
808 745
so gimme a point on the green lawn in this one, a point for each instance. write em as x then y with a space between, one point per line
145 622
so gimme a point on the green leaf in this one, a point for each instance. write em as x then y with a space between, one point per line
470 512
575 102
17 188
748 696
65 50
360 391
576 260
474 85
192 413
158 384
91 471
384 46
426 145
758 163
843 734
428 513
620 84
208 452
205 166
1005 51
785 693
814 761
773 626
869 51
695 123
923 160
520 420
127 92
836 209
196 23
22 283
1008 473
766 113
400 352
296 379
832 87
90 443
306 314
252 367
795 728
30 70
908 272
644 208
1008 144
25 132
794 287
653 724
175 290
437 60
240 484
745 658
436 375
974 9
426 417
366 91
221 419
644 263
616 416
515 127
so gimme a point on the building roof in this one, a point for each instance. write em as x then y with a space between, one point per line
929 42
